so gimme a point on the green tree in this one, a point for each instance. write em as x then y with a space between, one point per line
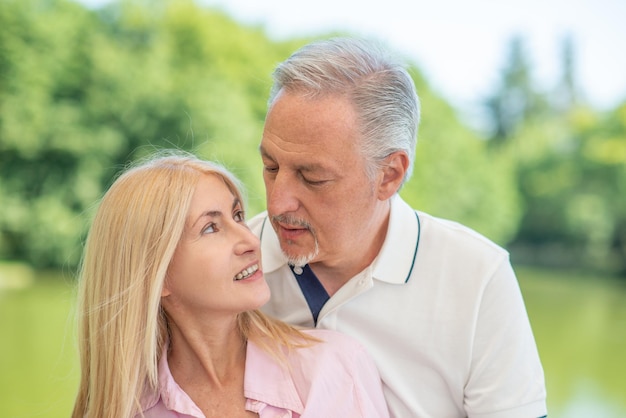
515 100
567 94
458 177
574 190
84 92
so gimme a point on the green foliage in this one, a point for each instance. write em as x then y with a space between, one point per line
515 99
84 92
570 164
457 177
572 175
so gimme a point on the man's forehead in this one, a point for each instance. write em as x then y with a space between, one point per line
303 161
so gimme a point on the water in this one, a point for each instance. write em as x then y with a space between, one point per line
579 325
38 361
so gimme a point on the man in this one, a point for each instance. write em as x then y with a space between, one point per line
437 305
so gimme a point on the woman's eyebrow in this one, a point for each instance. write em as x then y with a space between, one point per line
215 213
208 214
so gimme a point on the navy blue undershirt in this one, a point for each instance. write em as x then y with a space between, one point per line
314 293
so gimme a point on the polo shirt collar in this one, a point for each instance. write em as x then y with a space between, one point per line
395 260
271 254
268 381
265 380
172 395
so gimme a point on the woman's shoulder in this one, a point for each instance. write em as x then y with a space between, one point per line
333 343
335 337
337 368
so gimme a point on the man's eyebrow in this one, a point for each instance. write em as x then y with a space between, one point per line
264 153
301 167
305 167
313 167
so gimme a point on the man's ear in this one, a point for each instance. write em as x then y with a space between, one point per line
394 168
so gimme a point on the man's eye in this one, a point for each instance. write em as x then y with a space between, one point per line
270 169
314 182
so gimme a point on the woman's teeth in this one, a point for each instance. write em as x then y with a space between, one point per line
247 272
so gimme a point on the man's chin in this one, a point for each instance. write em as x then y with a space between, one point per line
301 250
299 258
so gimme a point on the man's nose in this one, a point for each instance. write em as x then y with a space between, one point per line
282 194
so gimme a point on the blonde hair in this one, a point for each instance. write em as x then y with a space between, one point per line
122 328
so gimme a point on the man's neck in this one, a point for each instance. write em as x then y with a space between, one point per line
334 276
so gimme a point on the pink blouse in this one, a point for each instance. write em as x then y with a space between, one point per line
334 378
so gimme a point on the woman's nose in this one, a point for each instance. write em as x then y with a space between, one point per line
246 241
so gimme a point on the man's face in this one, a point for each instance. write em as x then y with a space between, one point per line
318 193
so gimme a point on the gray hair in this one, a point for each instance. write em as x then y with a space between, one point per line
379 87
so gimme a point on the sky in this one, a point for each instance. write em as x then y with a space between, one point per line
460 45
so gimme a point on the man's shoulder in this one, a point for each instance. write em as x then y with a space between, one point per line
460 235
438 236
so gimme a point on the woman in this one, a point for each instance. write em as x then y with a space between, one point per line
169 289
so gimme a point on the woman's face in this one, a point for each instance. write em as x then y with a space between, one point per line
216 268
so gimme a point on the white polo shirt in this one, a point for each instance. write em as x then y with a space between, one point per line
440 311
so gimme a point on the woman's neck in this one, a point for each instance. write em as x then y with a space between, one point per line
209 355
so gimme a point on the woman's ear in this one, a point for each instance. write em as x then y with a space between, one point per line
165 291
394 168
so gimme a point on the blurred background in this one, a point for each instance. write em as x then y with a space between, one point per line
523 138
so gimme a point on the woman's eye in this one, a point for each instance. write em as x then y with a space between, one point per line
209 229
239 216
